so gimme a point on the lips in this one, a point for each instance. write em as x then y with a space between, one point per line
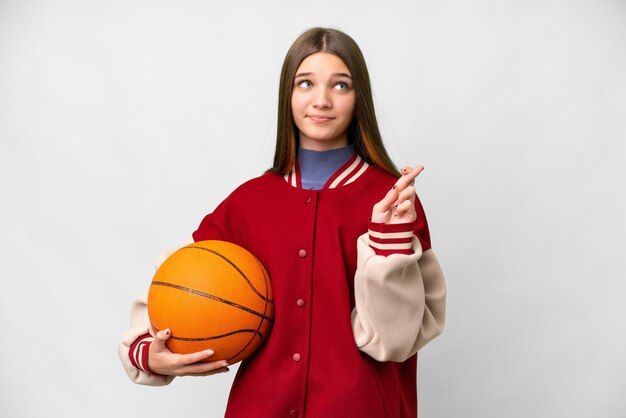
320 118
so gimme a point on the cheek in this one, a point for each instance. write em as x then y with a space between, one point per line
347 107
298 104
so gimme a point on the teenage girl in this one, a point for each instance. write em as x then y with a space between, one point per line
357 289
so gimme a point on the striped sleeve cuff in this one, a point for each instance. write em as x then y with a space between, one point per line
387 239
139 352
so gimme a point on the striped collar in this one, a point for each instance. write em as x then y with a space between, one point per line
347 173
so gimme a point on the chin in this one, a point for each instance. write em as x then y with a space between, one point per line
322 136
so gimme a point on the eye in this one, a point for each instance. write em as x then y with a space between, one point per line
304 84
342 86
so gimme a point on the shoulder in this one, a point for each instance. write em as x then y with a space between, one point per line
382 175
260 185
379 179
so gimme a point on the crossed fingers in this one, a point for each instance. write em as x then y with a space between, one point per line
397 205
408 177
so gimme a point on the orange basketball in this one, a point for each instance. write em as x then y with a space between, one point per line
212 295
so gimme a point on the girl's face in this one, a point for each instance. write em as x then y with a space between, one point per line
323 102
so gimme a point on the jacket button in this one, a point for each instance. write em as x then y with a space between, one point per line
293 413
300 303
302 253
308 200
297 357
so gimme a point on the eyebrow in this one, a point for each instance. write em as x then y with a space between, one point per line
333 74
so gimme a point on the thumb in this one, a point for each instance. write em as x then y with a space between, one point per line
162 336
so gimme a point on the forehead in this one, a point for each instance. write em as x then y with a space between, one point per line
323 63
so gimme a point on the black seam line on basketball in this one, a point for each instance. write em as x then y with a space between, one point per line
215 337
251 339
234 266
264 312
267 286
258 333
209 296
261 321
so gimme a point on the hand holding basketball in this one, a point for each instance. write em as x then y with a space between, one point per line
162 361
398 205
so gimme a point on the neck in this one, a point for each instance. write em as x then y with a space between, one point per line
327 145
316 167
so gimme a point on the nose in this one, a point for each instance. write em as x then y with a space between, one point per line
322 99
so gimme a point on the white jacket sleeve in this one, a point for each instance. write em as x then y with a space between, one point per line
139 326
400 301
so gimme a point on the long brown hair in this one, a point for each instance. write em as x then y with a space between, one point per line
363 131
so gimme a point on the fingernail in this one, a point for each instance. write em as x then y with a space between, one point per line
395 206
167 331
394 187
224 364
210 352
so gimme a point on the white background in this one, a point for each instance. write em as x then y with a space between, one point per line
123 122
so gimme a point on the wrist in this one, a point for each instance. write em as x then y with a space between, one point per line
139 353
386 239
